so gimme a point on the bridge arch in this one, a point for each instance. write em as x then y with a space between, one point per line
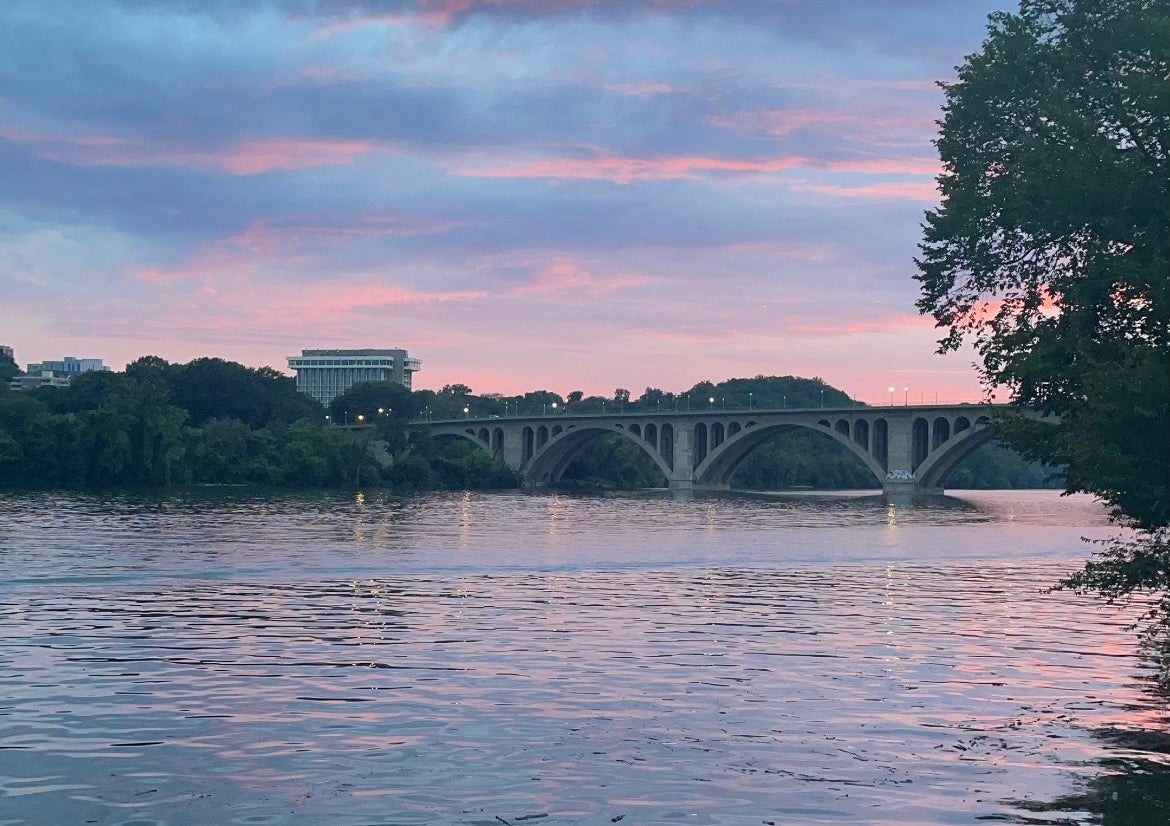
721 463
861 433
464 434
548 463
937 466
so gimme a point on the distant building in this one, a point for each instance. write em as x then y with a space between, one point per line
326 374
68 367
54 373
6 353
34 380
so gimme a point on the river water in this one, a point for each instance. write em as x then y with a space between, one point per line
548 659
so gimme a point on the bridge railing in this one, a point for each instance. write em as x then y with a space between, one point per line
694 410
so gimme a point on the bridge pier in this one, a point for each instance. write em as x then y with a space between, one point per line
682 475
900 488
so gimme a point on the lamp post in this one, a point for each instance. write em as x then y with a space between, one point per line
381 411
361 417
554 407
711 401
749 400
466 412
891 395
822 398
723 402
906 396
326 418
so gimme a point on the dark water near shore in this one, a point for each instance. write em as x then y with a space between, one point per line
558 660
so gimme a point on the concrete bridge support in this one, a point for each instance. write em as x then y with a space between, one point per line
682 474
899 479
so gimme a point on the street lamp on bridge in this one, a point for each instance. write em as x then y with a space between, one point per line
906 396
467 412
891 395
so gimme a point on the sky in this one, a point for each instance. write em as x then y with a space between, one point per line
528 194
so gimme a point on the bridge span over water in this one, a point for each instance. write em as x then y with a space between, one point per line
907 448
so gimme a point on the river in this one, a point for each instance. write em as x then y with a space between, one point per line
232 658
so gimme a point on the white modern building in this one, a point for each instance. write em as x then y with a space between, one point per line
326 374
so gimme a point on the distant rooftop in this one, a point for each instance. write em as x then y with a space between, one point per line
367 351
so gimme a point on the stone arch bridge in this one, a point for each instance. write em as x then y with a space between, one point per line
907 448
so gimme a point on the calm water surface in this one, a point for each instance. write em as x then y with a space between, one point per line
478 659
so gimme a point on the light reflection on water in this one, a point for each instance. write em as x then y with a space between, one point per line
463 658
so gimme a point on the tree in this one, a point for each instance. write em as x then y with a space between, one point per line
8 370
371 399
1050 252
653 398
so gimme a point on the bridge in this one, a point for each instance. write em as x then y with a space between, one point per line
908 449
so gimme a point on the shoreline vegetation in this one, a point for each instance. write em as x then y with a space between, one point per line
212 422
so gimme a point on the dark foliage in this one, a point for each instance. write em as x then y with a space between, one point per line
1051 250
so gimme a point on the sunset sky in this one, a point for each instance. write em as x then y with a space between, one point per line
555 194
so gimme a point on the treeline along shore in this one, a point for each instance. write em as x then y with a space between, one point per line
216 422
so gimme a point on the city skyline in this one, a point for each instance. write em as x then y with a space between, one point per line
529 195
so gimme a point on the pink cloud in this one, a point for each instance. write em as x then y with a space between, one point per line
317 303
434 14
625 169
855 124
357 22
263 236
900 190
879 324
784 121
243 158
559 275
640 89
253 157
565 274
200 268
687 336
887 166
